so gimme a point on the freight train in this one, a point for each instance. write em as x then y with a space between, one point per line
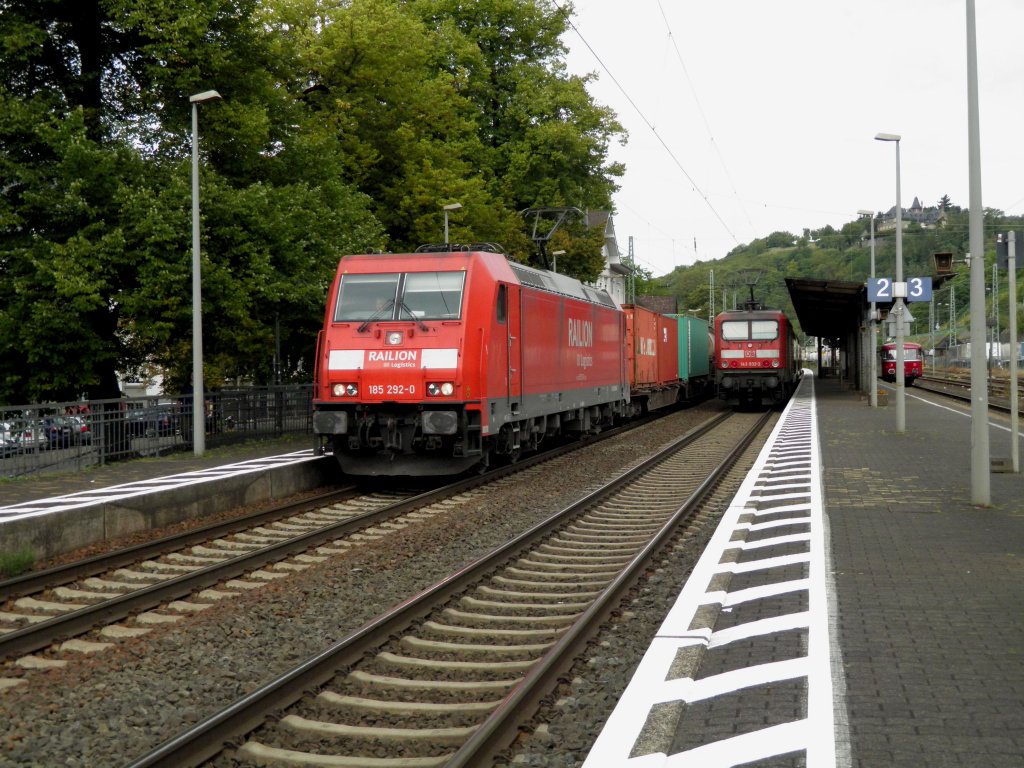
438 361
757 356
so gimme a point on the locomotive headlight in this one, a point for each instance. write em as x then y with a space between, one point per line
345 390
775 363
439 388
393 338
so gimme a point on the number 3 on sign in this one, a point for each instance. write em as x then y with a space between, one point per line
919 289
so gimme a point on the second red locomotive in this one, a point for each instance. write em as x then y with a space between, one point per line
757 356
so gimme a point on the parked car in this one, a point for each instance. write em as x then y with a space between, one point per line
58 431
80 430
152 422
31 436
9 444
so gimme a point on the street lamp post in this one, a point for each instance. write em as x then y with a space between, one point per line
899 287
198 399
554 259
447 208
872 365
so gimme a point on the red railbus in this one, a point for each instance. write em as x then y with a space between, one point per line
913 362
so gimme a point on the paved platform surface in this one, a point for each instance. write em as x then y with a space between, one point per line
929 588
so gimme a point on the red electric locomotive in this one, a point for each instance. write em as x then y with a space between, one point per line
430 362
912 362
757 356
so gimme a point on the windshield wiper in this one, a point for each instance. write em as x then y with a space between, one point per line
376 316
405 307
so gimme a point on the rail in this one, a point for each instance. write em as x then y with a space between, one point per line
205 739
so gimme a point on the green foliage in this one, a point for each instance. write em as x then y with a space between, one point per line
343 128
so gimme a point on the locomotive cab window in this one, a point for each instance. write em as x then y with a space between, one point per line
750 330
366 297
400 296
501 306
433 295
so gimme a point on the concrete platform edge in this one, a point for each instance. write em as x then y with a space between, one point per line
60 532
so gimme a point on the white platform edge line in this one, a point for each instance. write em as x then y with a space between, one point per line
821 749
613 745
129 490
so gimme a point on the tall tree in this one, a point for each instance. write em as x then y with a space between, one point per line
344 127
547 141
96 248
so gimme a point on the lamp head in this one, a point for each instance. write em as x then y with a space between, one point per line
887 137
452 206
205 96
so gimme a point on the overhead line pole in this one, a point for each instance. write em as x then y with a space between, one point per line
873 362
981 481
1014 403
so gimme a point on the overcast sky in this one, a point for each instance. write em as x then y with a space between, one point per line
748 116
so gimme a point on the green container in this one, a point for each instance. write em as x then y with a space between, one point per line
694 348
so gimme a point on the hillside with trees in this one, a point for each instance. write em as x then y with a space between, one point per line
844 255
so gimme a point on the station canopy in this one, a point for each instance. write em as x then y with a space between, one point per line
829 309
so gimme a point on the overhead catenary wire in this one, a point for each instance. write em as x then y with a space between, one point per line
707 125
650 126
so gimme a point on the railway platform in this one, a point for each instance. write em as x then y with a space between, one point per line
55 513
854 609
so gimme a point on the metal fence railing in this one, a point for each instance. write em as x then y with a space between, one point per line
69 436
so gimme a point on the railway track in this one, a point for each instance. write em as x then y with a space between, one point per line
83 607
444 679
959 388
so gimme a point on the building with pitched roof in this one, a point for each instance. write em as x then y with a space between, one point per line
928 218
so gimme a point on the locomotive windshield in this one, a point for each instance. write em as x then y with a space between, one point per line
400 296
750 330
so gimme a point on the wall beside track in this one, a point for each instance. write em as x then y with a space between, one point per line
50 527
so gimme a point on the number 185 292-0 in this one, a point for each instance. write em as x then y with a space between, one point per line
392 389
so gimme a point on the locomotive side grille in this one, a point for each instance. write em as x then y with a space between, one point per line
531 277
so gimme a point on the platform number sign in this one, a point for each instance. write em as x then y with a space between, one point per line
886 289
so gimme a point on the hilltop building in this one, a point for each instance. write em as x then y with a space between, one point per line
928 218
